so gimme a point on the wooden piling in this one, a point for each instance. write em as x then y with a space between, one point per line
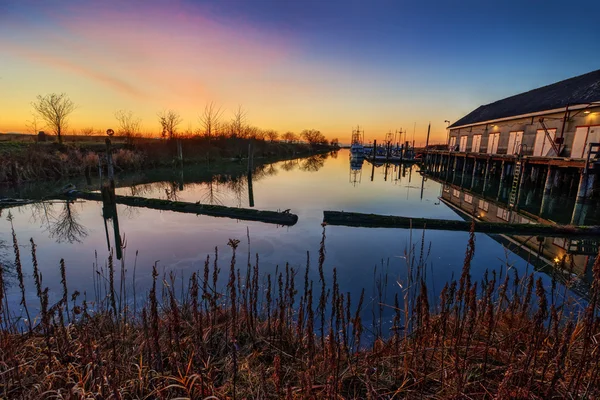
389 221
273 217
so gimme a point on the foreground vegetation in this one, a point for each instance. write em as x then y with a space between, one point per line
285 336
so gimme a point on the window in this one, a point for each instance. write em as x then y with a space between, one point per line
468 198
452 144
455 193
446 188
543 146
514 142
560 242
463 144
484 205
502 213
476 143
493 139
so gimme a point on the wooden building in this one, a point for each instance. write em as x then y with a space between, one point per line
558 120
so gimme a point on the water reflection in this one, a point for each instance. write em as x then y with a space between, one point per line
559 257
181 242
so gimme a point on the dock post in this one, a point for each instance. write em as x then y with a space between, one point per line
547 190
374 152
584 192
486 174
250 158
179 152
521 183
109 162
250 191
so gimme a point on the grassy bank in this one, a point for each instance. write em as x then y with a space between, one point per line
285 336
22 161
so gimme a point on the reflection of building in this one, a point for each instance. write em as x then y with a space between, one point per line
545 253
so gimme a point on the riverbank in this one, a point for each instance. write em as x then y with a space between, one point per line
284 336
31 161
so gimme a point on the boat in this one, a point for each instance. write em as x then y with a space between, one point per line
357 149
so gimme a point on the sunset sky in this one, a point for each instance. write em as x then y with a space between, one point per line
323 64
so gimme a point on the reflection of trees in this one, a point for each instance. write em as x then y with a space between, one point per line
172 191
289 165
212 193
314 163
42 212
66 228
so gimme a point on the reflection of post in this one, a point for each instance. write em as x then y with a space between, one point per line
118 244
372 170
250 190
422 186
109 207
386 171
181 179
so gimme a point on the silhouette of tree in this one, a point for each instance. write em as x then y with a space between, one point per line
54 109
238 123
272 135
128 124
209 120
169 121
290 137
313 137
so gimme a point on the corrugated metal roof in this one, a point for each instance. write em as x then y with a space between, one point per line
582 89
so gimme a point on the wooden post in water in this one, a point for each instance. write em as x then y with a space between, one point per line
250 158
250 191
427 146
179 152
110 166
374 153
547 190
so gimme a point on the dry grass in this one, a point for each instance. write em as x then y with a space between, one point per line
29 161
502 337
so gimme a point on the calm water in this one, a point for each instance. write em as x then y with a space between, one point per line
181 242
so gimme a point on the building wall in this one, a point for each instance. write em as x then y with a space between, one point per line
529 126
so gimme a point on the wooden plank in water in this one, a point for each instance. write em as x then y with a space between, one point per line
272 217
390 221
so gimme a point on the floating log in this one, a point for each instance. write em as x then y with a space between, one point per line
272 217
389 221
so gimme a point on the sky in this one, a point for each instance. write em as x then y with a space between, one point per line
292 65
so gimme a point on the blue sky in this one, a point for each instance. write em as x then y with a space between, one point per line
293 64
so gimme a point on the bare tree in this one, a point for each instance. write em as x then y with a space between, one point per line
335 142
35 124
314 137
290 137
238 122
272 135
169 121
54 109
209 120
87 131
129 125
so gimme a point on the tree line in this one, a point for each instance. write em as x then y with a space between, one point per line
53 111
